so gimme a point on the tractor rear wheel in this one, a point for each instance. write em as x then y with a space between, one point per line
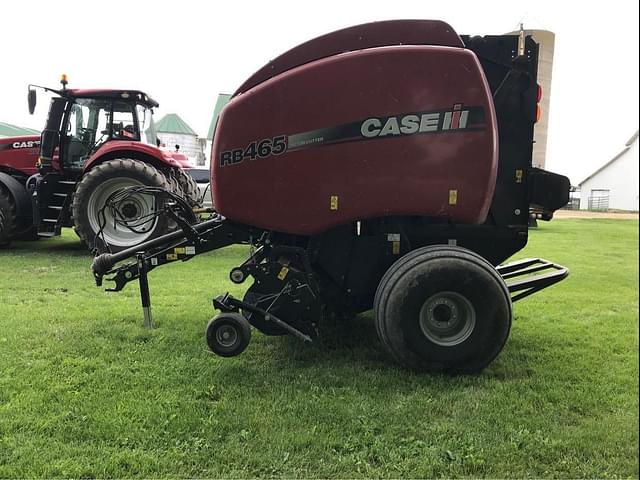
189 188
443 309
97 226
7 218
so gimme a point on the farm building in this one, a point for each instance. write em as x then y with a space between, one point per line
223 99
615 184
8 130
172 131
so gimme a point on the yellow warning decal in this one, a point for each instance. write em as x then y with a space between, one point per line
179 250
172 256
396 247
518 176
453 197
334 202
283 273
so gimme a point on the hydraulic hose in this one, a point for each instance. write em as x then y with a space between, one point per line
103 263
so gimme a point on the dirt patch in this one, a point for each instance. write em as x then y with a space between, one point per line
588 214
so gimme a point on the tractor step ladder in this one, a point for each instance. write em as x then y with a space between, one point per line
53 205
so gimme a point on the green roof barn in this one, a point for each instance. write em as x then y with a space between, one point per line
8 130
223 99
172 123
173 130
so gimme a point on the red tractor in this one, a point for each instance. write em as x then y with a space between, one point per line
95 142
385 166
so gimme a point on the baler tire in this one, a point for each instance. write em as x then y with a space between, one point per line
134 172
235 326
189 188
443 309
7 218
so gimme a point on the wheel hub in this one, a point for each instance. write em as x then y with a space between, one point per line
129 210
135 211
226 335
447 319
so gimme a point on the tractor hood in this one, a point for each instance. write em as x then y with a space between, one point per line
180 158
20 153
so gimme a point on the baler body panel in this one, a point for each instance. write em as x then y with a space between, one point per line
20 154
358 37
354 150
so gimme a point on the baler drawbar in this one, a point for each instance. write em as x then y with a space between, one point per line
385 166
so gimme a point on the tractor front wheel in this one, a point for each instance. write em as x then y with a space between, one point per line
7 218
443 309
135 222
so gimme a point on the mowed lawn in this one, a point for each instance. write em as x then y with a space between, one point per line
86 391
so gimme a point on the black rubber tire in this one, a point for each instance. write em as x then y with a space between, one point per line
433 272
172 182
7 218
233 324
29 235
117 168
189 188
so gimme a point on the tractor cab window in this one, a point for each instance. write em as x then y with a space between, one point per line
124 126
85 129
146 126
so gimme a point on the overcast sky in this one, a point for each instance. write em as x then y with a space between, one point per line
183 53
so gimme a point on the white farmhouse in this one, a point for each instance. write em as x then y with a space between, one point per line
615 184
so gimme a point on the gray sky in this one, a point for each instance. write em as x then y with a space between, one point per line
183 53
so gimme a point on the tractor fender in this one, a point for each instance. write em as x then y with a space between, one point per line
20 196
137 150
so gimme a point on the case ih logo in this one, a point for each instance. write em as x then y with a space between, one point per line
29 144
415 123
452 119
19 145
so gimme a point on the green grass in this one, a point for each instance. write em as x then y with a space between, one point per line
86 391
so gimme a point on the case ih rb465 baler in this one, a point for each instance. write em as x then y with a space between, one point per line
383 166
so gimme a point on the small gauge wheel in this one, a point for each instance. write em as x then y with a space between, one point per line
237 276
228 334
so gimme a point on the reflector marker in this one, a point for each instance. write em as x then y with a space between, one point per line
283 273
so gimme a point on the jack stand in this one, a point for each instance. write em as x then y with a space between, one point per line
144 291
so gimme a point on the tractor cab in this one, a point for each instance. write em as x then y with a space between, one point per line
81 121
94 143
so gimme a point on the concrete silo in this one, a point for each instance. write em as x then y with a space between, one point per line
546 40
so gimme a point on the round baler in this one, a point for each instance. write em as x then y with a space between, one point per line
383 166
